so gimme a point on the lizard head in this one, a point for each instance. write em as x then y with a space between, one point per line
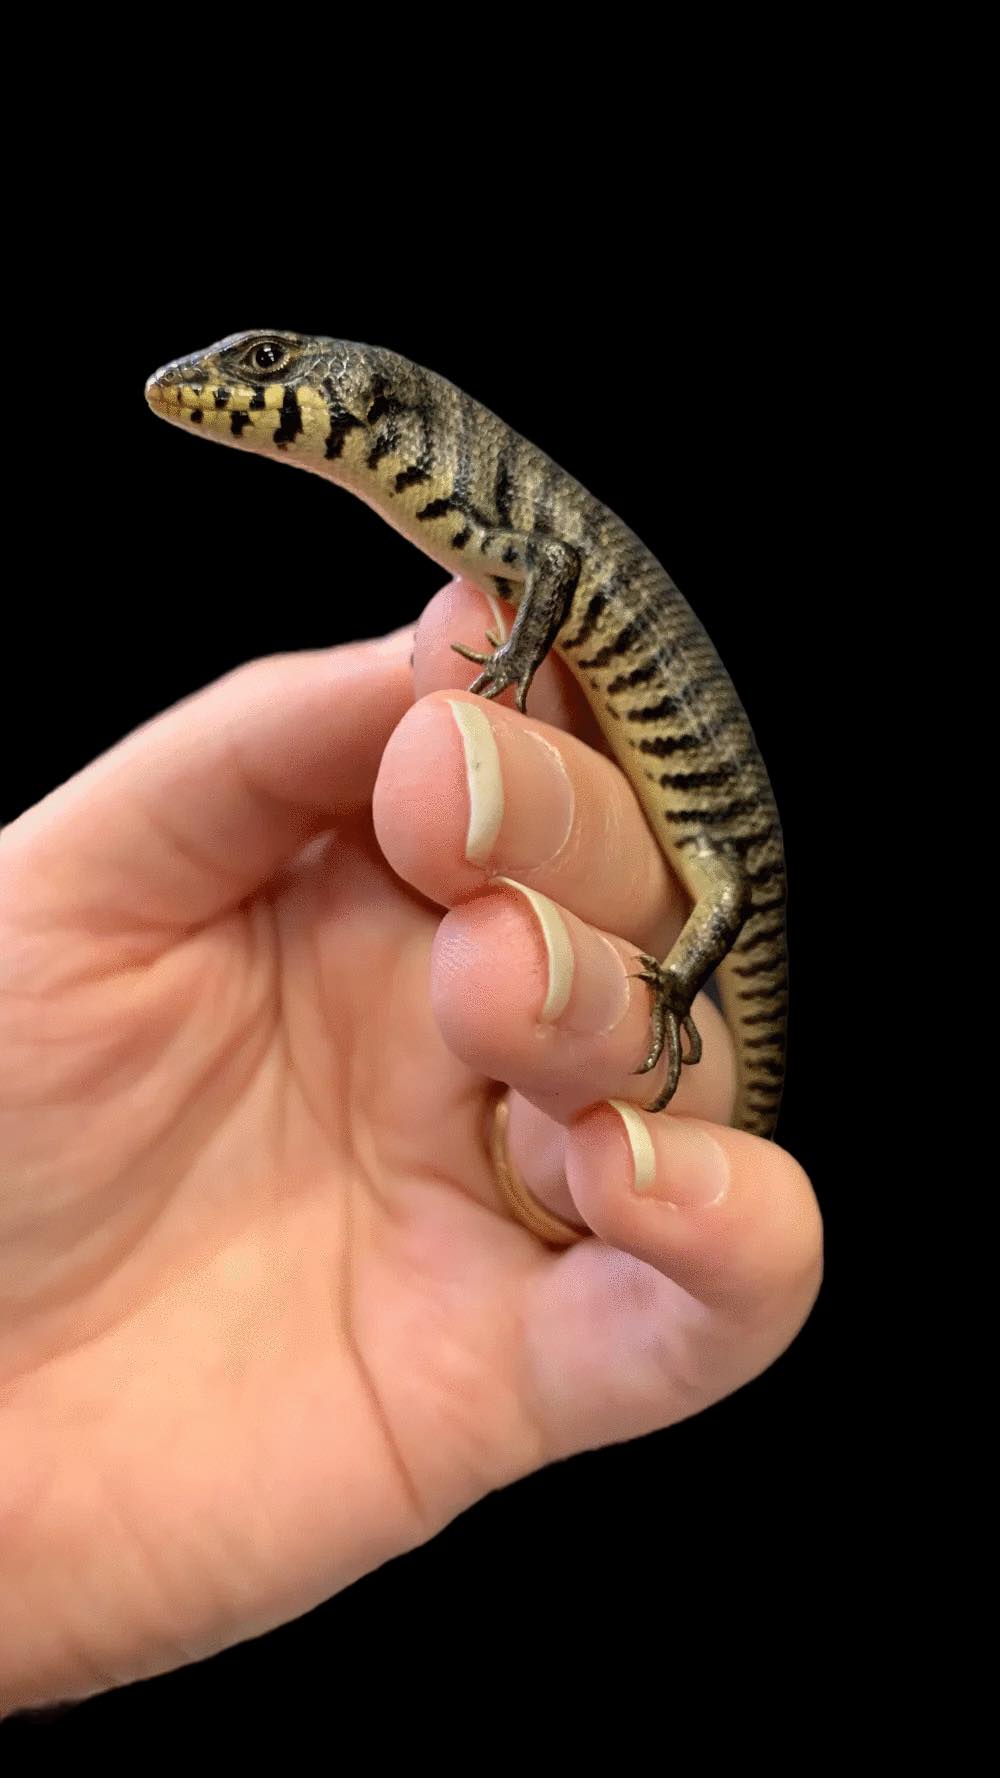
258 390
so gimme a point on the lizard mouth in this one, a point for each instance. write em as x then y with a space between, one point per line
164 395
182 402
270 417
199 404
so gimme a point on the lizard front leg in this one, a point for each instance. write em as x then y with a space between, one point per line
548 571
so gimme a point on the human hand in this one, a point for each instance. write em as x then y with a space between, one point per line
264 1321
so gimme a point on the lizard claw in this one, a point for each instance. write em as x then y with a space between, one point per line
500 669
670 1016
470 654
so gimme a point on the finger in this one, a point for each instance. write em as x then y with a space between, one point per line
525 992
464 613
537 1140
710 1263
468 791
730 1218
196 809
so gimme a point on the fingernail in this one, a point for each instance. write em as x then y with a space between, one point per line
588 985
558 950
683 1166
540 798
483 777
516 780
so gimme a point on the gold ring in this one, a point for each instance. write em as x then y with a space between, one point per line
549 1227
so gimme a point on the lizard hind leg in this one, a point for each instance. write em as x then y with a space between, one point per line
670 1017
708 933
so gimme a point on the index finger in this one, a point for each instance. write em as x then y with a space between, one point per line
199 807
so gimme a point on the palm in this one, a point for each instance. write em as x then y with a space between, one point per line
297 1308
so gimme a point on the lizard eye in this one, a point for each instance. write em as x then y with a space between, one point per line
267 355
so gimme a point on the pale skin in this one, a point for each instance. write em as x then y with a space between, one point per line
264 1319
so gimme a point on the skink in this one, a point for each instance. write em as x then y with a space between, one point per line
485 503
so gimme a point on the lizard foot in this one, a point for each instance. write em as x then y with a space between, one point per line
509 664
671 1016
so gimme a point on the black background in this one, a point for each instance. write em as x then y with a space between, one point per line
691 379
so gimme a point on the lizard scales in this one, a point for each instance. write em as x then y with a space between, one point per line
486 503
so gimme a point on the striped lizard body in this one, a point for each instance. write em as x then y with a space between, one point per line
487 504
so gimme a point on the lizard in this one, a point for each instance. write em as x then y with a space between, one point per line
488 505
